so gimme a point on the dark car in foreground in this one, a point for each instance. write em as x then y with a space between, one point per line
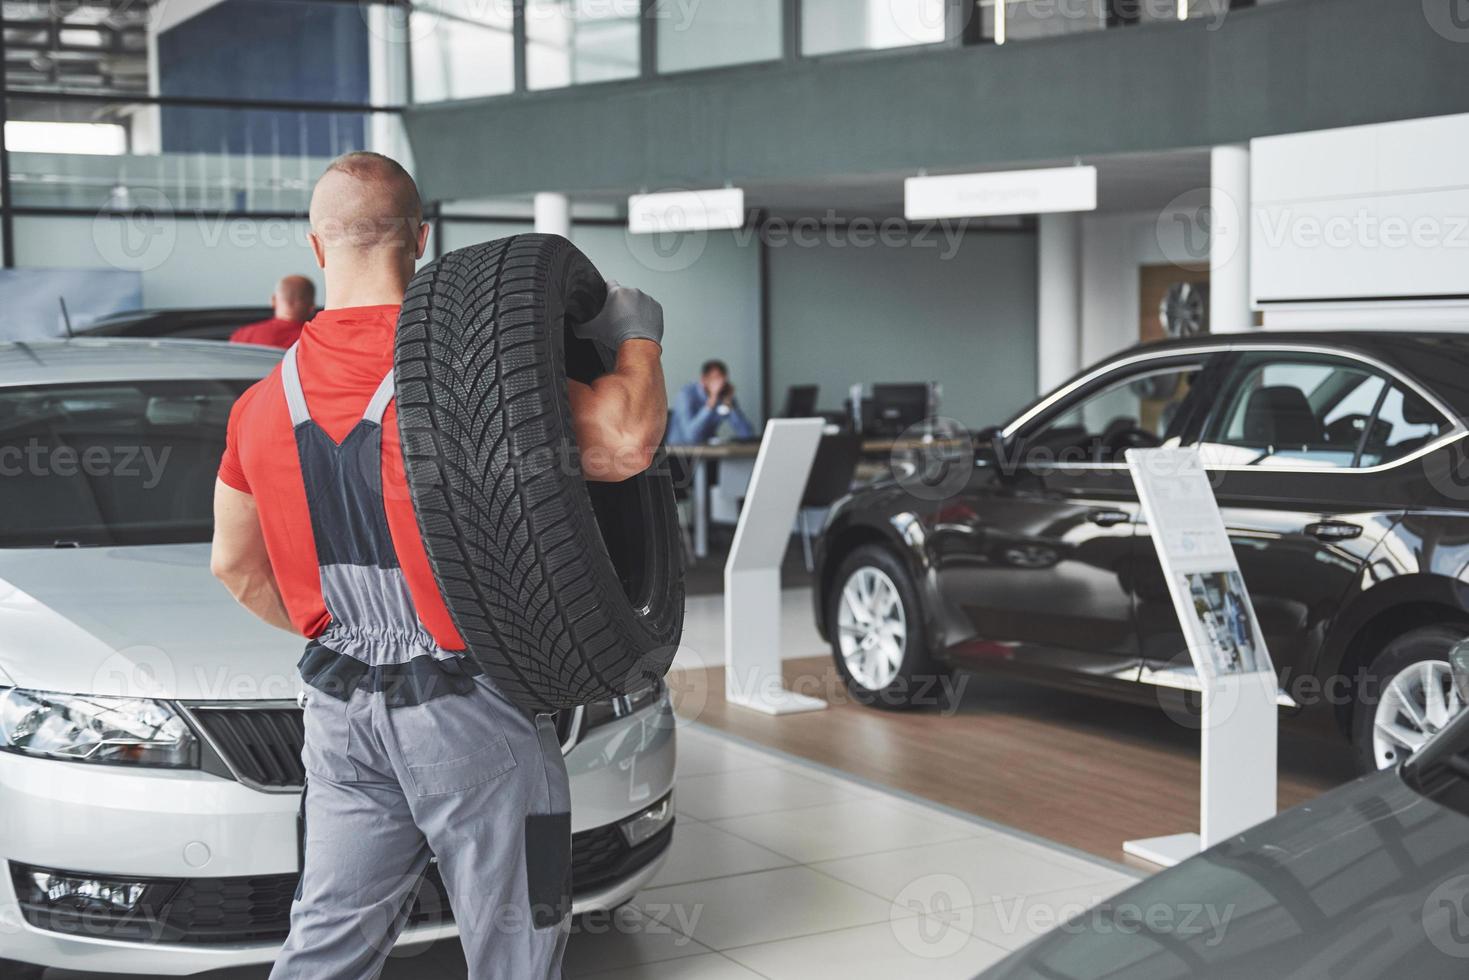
1368 882
1338 460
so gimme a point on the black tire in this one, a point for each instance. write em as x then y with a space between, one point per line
917 681
16 970
565 592
1413 647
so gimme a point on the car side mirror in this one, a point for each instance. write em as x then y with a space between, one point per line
989 445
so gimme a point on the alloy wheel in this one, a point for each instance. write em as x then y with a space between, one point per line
1417 703
872 628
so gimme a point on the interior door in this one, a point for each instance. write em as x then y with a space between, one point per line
1280 445
1034 557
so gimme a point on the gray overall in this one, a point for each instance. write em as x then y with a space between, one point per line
412 754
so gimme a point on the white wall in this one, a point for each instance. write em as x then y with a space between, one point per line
1114 248
1367 211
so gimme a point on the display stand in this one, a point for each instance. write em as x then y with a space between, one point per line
752 655
1239 720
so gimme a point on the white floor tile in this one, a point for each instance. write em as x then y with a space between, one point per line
764 906
700 850
711 966
1013 922
625 938
739 793
912 948
964 873
700 755
838 830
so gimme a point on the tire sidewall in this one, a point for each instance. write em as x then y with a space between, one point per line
1413 647
915 684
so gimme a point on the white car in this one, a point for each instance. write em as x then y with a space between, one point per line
150 772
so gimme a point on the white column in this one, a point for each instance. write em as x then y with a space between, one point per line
1229 240
553 214
1058 307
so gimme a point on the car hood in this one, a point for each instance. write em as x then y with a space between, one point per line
142 621
1368 881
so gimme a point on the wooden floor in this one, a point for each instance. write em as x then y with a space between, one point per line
1081 771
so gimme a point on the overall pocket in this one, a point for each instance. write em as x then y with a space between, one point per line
451 744
327 736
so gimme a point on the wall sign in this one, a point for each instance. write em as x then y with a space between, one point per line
1003 193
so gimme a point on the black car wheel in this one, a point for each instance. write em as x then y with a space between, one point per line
1406 696
877 636
567 592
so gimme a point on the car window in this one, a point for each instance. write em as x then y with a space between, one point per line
1314 411
1405 423
1143 409
111 463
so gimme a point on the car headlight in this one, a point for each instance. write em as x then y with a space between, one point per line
96 728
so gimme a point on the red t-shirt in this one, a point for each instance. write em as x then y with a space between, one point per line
274 332
342 357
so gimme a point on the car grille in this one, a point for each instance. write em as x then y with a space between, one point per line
257 908
261 746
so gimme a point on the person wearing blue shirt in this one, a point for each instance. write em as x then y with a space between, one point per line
701 407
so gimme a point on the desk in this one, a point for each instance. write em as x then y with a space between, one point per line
699 457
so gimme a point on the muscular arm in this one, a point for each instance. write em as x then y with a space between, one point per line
239 559
619 418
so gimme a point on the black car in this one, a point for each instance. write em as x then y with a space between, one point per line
1338 460
212 323
1369 882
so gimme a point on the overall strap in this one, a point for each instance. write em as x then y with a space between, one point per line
291 382
380 399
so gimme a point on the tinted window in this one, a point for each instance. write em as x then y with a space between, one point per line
1141 410
115 463
1315 411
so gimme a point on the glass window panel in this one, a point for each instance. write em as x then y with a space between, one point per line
571 42
462 49
279 50
717 32
1021 20
1141 410
856 25
1302 411
130 155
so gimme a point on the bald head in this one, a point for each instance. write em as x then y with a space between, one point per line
366 202
294 298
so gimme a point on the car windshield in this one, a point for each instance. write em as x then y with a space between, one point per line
111 463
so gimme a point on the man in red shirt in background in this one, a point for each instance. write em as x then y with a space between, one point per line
293 302
412 751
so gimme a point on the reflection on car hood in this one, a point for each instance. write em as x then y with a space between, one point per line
1369 882
145 621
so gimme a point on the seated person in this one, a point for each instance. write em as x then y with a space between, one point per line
701 407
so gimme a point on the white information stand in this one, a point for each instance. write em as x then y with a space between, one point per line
752 575
1239 723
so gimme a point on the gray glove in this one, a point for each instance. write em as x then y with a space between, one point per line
628 314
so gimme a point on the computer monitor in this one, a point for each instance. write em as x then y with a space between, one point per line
896 407
801 402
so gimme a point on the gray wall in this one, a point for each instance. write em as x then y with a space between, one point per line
1286 67
840 315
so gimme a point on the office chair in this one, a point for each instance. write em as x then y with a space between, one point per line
831 477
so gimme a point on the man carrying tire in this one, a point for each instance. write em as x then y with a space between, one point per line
412 752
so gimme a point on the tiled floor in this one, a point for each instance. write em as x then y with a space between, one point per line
785 871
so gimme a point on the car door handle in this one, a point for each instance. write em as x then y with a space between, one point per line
1102 517
1333 531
